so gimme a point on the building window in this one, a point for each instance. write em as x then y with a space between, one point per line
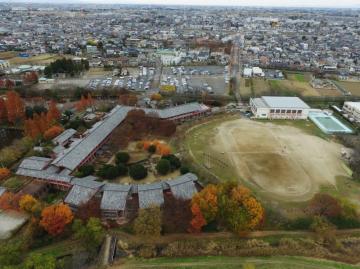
283 111
288 111
293 111
299 111
277 110
271 110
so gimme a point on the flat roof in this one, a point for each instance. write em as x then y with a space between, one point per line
284 102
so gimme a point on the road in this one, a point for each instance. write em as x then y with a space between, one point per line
235 65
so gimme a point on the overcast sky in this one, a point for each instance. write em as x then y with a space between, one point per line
278 3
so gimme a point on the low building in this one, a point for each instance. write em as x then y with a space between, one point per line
4 65
83 190
275 107
353 110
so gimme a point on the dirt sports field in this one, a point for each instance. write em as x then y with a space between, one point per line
277 159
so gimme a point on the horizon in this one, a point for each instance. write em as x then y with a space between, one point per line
331 4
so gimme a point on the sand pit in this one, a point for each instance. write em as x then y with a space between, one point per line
281 160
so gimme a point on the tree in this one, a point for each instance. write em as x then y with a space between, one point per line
176 215
138 171
148 222
53 114
122 157
198 221
325 205
14 106
29 204
163 149
151 149
40 261
91 235
10 254
184 170
207 202
53 132
54 218
163 167
122 169
4 173
88 210
108 171
156 97
3 111
9 201
174 161
85 170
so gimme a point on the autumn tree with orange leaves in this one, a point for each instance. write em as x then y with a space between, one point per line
10 201
54 218
84 102
3 111
53 114
4 173
14 106
230 205
53 132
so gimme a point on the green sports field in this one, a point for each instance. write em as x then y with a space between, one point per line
235 262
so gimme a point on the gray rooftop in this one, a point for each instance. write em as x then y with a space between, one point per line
73 156
79 195
35 163
43 175
184 186
2 190
114 196
284 102
176 110
150 195
64 136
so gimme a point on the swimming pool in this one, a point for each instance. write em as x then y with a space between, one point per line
329 124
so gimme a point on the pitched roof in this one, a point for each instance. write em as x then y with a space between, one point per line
2 190
150 195
73 156
82 191
34 163
64 136
184 186
114 197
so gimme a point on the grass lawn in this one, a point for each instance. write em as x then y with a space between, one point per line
285 262
38 59
14 183
304 125
353 87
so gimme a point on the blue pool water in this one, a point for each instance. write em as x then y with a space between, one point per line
329 124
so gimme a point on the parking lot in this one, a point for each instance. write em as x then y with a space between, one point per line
210 79
137 79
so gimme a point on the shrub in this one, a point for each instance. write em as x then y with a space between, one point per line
108 171
122 157
138 171
85 170
152 149
163 167
53 132
4 173
174 161
147 251
184 170
122 169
